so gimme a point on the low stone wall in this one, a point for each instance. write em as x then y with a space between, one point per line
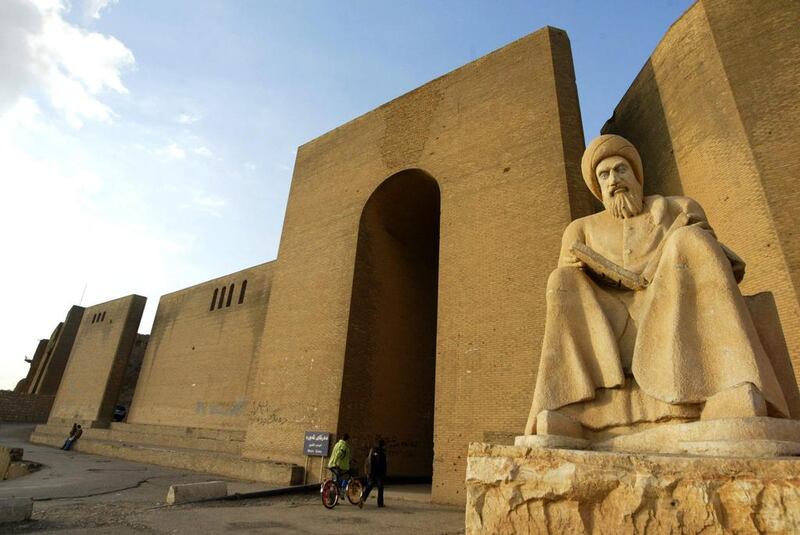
21 407
7 455
165 453
515 489
12 465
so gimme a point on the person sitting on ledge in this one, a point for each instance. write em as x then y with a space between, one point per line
74 435
645 321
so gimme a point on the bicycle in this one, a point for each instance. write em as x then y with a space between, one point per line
331 490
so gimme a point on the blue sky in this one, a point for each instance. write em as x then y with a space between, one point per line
147 145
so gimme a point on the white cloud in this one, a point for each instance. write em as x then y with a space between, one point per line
42 53
188 118
208 203
250 166
24 113
92 8
205 152
171 151
69 228
176 152
52 68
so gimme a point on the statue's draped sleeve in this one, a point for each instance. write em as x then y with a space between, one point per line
573 233
697 217
694 211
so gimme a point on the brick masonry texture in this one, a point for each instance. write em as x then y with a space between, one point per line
716 115
408 298
492 135
48 375
199 362
23 407
96 368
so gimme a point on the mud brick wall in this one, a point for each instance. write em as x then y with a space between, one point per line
501 139
96 368
24 407
199 361
715 113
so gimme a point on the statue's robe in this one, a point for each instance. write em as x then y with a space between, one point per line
685 337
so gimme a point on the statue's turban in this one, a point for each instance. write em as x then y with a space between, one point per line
603 147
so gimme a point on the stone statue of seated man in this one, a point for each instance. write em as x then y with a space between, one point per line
645 321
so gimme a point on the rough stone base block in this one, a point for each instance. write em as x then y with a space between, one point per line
515 489
551 441
209 462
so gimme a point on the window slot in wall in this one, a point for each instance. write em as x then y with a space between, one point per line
222 297
214 299
94 318
230 296
103 317
241 292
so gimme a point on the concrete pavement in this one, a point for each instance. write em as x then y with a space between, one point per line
79 493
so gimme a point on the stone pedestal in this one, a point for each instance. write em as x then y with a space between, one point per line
516 489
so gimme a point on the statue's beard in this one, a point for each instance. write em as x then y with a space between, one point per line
625 204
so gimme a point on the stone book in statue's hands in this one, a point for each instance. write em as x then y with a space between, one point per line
609 272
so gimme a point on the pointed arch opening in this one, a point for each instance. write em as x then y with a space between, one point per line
390 356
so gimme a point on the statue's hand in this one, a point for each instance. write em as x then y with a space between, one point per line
609 272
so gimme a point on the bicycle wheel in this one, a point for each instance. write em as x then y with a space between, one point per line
330 494
354 491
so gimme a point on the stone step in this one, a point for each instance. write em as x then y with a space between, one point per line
226 441
210 462
189 432
164 440
47 429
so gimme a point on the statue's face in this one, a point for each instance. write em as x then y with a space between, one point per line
622 193
615 176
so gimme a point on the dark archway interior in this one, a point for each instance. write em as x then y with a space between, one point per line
390 357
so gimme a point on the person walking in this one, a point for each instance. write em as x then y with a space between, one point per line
375 468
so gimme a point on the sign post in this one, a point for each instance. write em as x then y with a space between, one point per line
316 444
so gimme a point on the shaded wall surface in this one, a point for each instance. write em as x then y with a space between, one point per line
59 347
96 368
199 359
131 377
390 355
501 137
715 114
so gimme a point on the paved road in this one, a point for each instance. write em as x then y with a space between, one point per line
76 493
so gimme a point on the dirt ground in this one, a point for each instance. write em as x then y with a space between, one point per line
78 493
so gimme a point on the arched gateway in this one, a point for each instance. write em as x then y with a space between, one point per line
390 354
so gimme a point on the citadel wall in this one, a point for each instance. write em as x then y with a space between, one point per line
502 139
408 298
715 113
95 370
38 357
48 375
199 359
24 407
